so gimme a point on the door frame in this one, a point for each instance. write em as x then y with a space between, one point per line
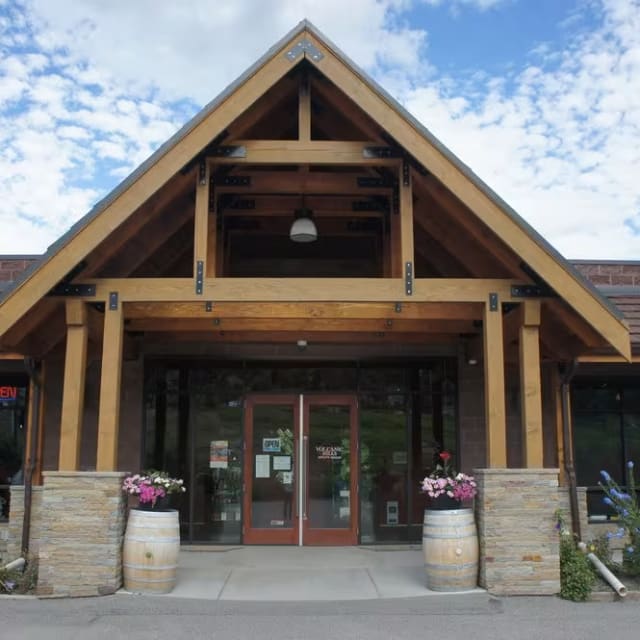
300 533
251 535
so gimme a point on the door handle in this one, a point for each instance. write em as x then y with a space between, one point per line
305 477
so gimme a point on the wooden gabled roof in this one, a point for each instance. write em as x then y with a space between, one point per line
306 43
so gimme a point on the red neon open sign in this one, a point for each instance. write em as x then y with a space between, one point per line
8 393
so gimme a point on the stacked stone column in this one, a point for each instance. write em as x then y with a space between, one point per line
519 547
82 528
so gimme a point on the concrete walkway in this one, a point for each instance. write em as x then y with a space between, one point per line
302 574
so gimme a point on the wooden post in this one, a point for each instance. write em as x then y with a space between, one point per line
530 386
494 396
304 109
212 242
75 365
109 413
201 222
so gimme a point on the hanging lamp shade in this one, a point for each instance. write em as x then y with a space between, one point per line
303 228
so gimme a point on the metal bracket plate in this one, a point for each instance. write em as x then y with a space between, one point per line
202 172
113 301
301 47
398 307
199 276
406 174
79 290
380 152
529 291
408 278
232 181
366 182
228 151
493 302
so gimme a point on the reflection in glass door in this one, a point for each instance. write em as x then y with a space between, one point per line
330 470
305 468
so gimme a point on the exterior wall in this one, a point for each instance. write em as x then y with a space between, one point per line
471 418
16 519
82 529
4 535
131 414
12 266
610 273
519 547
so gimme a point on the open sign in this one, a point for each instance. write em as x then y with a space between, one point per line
8 393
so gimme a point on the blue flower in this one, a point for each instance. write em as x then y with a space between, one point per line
625 513
605 476
630 464
609 535
630 549
624 496
608 500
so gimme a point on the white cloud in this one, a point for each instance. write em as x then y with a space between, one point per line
88 91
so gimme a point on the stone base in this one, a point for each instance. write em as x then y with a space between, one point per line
16 521
519 545
83 517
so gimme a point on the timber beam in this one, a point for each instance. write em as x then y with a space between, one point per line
323 152
293 310
387 325
302 290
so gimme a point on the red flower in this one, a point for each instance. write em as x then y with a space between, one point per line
444 456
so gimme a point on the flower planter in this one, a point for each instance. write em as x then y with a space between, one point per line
450 547
150 552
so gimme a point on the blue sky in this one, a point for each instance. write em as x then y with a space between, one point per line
541 98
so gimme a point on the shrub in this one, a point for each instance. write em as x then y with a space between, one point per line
577 577
17 581
627 509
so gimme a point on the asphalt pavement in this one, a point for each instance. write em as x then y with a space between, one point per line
468 617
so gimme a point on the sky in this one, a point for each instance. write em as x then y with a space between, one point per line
540 98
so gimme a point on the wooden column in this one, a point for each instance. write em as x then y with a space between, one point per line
530 385
212 269
304 109
406 218
109 413
75 365
201 222
494 396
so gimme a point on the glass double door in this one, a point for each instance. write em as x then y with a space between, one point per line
300 472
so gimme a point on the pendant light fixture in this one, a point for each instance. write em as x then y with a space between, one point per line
303 228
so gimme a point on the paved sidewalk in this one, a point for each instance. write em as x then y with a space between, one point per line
302 574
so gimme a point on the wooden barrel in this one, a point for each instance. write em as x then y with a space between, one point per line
150 552
450 546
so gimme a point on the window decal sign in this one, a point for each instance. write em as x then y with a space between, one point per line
9 393
329 452
219 454
271 445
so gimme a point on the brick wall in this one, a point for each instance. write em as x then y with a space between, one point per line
610 274
12 266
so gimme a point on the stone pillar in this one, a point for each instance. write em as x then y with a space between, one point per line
83 519
519 546
16 520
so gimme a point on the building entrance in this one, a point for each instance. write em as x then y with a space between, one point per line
301 467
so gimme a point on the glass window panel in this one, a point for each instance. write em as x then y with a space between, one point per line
383 468
216 425
592 398
13 396
598 445
631 399
632 438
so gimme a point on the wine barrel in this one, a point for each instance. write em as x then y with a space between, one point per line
450 546
150 552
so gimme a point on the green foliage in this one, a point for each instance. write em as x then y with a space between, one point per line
17 581
627 509
577 577
601 547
